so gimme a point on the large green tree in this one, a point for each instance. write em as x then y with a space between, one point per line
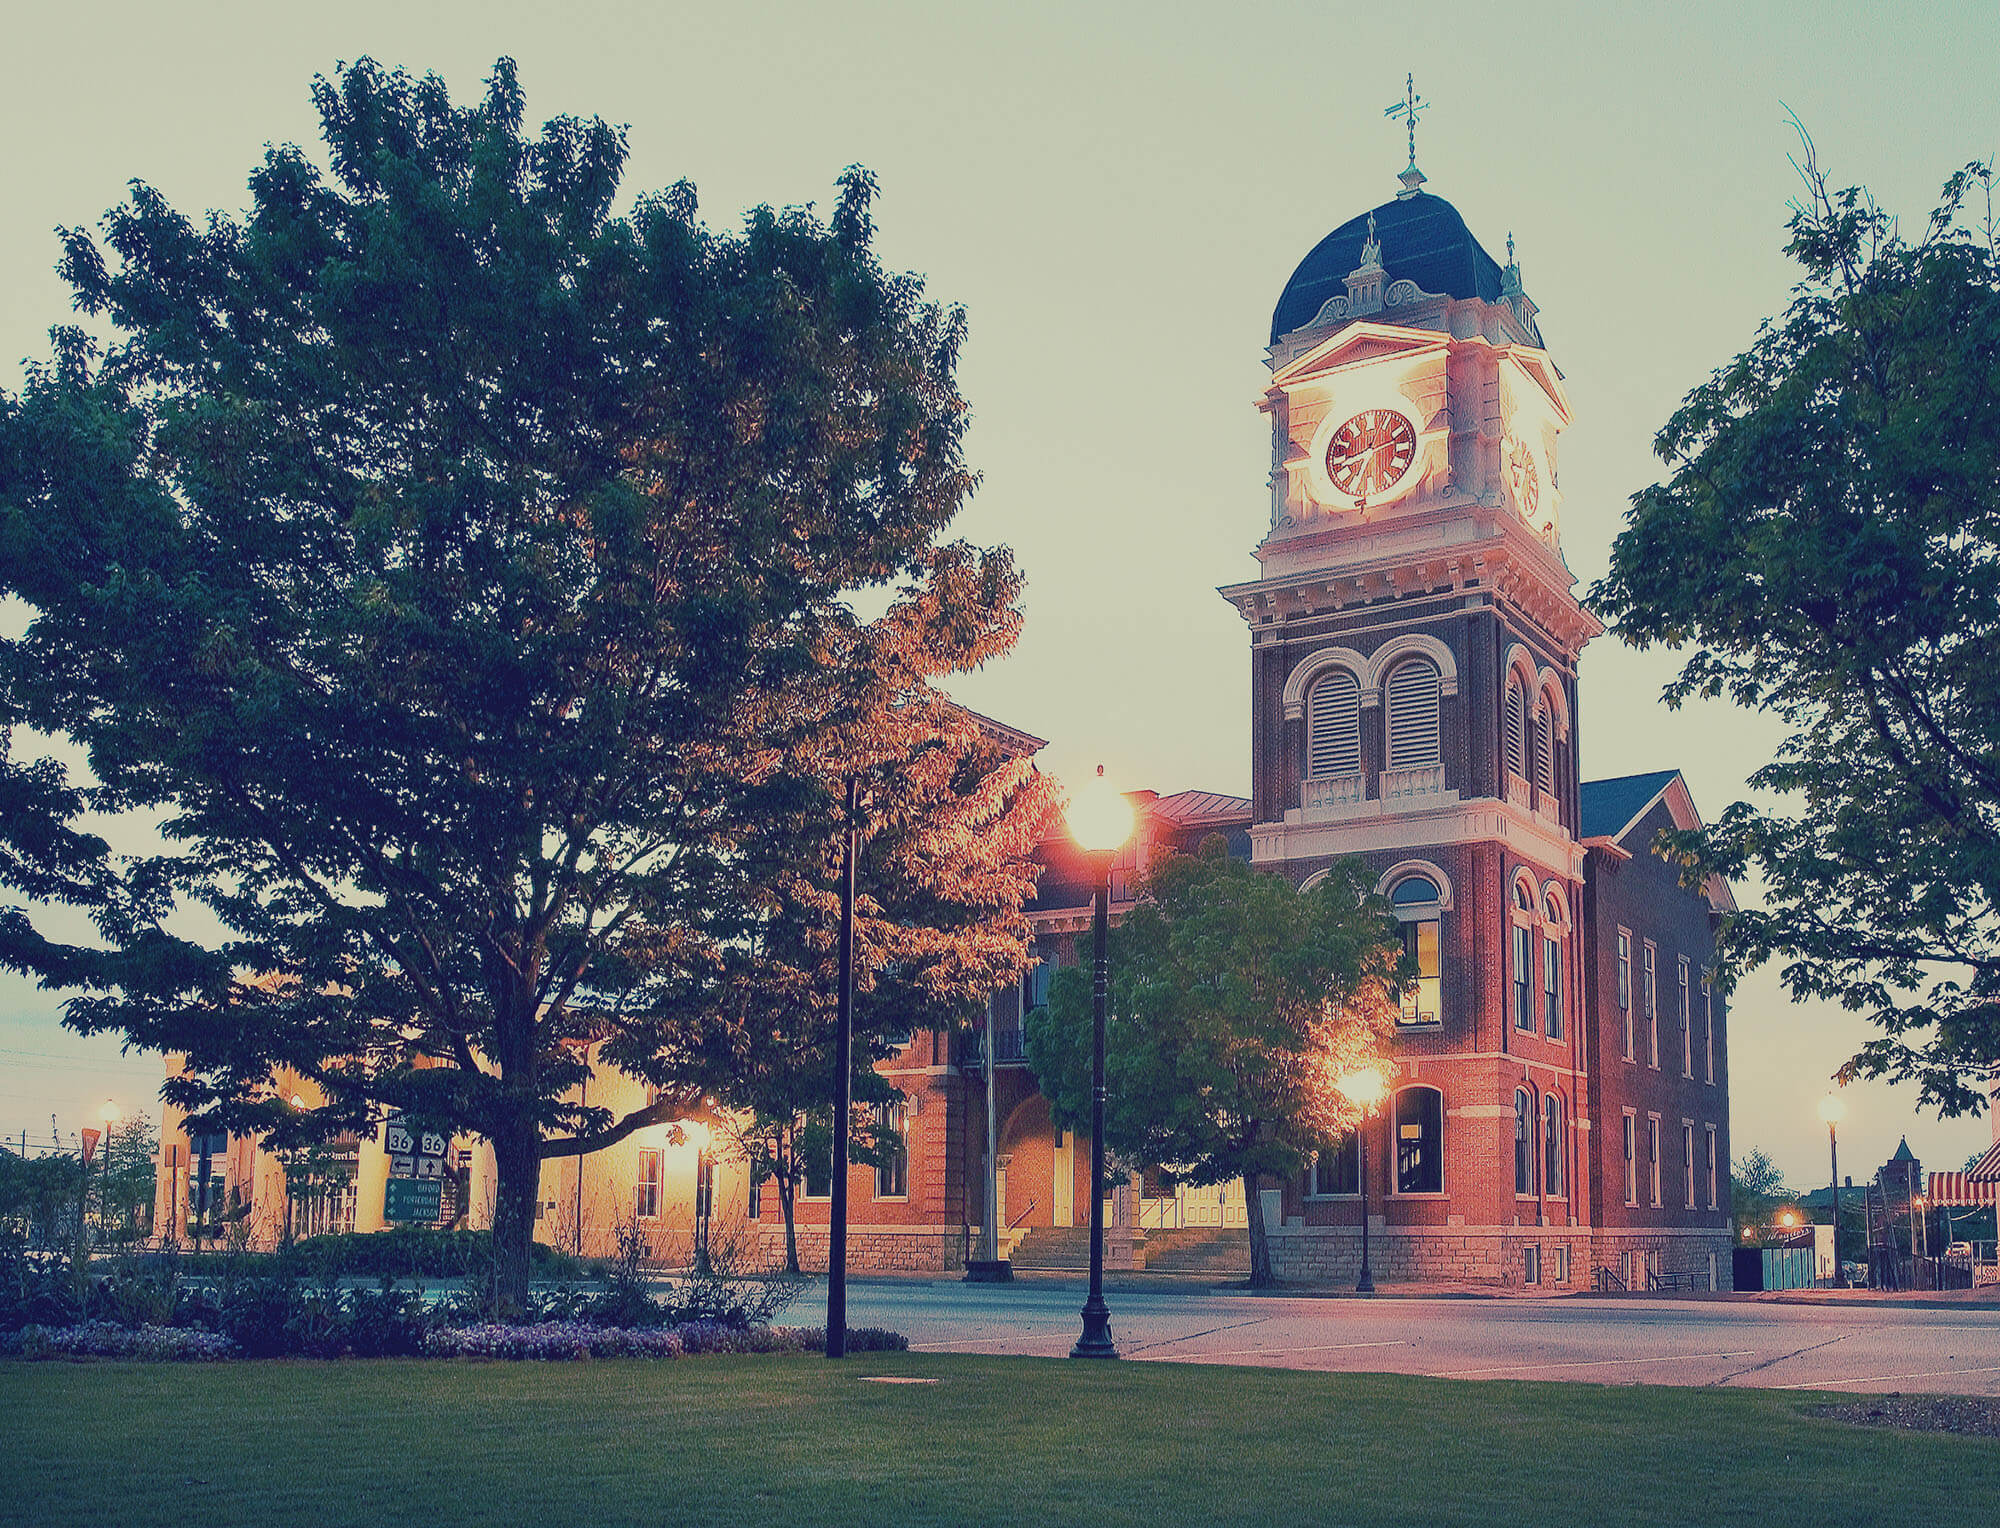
1827 551
1237 1004
428 553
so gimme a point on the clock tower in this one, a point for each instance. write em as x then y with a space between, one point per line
1414 637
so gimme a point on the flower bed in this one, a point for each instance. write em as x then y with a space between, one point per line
546 1341
560 1340
107 1339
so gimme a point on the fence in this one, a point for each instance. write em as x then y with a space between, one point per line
1893 1270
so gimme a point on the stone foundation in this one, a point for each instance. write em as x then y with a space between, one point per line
1549 1257
919 1249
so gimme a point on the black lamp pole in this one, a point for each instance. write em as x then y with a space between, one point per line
1833 1154
1365 1285
1096 1339
843 1100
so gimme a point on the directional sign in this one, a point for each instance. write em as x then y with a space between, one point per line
398 1142
412 1199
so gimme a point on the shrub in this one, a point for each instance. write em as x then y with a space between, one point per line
860 1339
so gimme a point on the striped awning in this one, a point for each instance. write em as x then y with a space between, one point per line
1960 1189
1987 1168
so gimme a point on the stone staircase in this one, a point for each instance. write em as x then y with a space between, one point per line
1054 1247
1212 1250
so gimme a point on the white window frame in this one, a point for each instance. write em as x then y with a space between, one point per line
1631 1157
1555 1184
649 1186
1687 1020
1653 1151
1687 1159
1713 1187
1624 989
1708 1025
1651 993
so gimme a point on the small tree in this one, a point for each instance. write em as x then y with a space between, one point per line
1237 1004
1756 1190
1827 550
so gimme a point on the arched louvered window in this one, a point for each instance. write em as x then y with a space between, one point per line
1545 748
1412 696
1514 740
1333 726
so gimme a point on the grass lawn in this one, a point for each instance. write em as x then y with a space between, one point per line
724 1441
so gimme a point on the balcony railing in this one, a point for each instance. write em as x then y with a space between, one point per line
1413 784
1331 793
1008 1049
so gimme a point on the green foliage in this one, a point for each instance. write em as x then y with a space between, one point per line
1236 1005
39 1198
1827 550
447 565
1757 1190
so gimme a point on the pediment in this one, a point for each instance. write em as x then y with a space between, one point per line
1358 343
1542 371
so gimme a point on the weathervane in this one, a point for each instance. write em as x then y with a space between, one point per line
1408 110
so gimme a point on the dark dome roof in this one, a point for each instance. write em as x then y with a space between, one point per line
1423 240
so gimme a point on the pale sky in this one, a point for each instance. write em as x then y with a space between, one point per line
1117 193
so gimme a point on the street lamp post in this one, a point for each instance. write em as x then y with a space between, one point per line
1830 1110
111 1117
1364 1089
1100 819
843 1093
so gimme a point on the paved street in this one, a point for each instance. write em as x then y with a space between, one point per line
1609 1341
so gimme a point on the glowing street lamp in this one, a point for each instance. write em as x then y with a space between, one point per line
1100 820
1831 1108
1363 1088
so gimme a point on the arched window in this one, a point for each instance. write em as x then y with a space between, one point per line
1552 1140
1524 1141
1416 901
1514 737
1545 747
1412 696
1333 726
1552 980
1420 1141
1524 958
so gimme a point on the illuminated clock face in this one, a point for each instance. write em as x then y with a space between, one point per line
1525 479
1371 453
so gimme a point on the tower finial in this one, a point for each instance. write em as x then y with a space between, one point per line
1408 110
1371 248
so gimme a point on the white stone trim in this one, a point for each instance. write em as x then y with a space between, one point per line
1316 664
1449 821
1402 870
1409 644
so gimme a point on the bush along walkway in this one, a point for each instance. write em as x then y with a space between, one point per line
169 1308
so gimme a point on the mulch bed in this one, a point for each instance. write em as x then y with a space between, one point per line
1975 1415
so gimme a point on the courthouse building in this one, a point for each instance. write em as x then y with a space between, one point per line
1558 1105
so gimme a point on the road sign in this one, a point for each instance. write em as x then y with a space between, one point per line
412 1199
398 1141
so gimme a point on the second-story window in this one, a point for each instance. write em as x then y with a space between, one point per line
1545 748
1652 994
1418 903
1333 727
1687 1022
1625 986
1411 695
1524 958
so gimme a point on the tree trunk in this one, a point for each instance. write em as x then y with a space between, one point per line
517 1161
785 1191
1260 1245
